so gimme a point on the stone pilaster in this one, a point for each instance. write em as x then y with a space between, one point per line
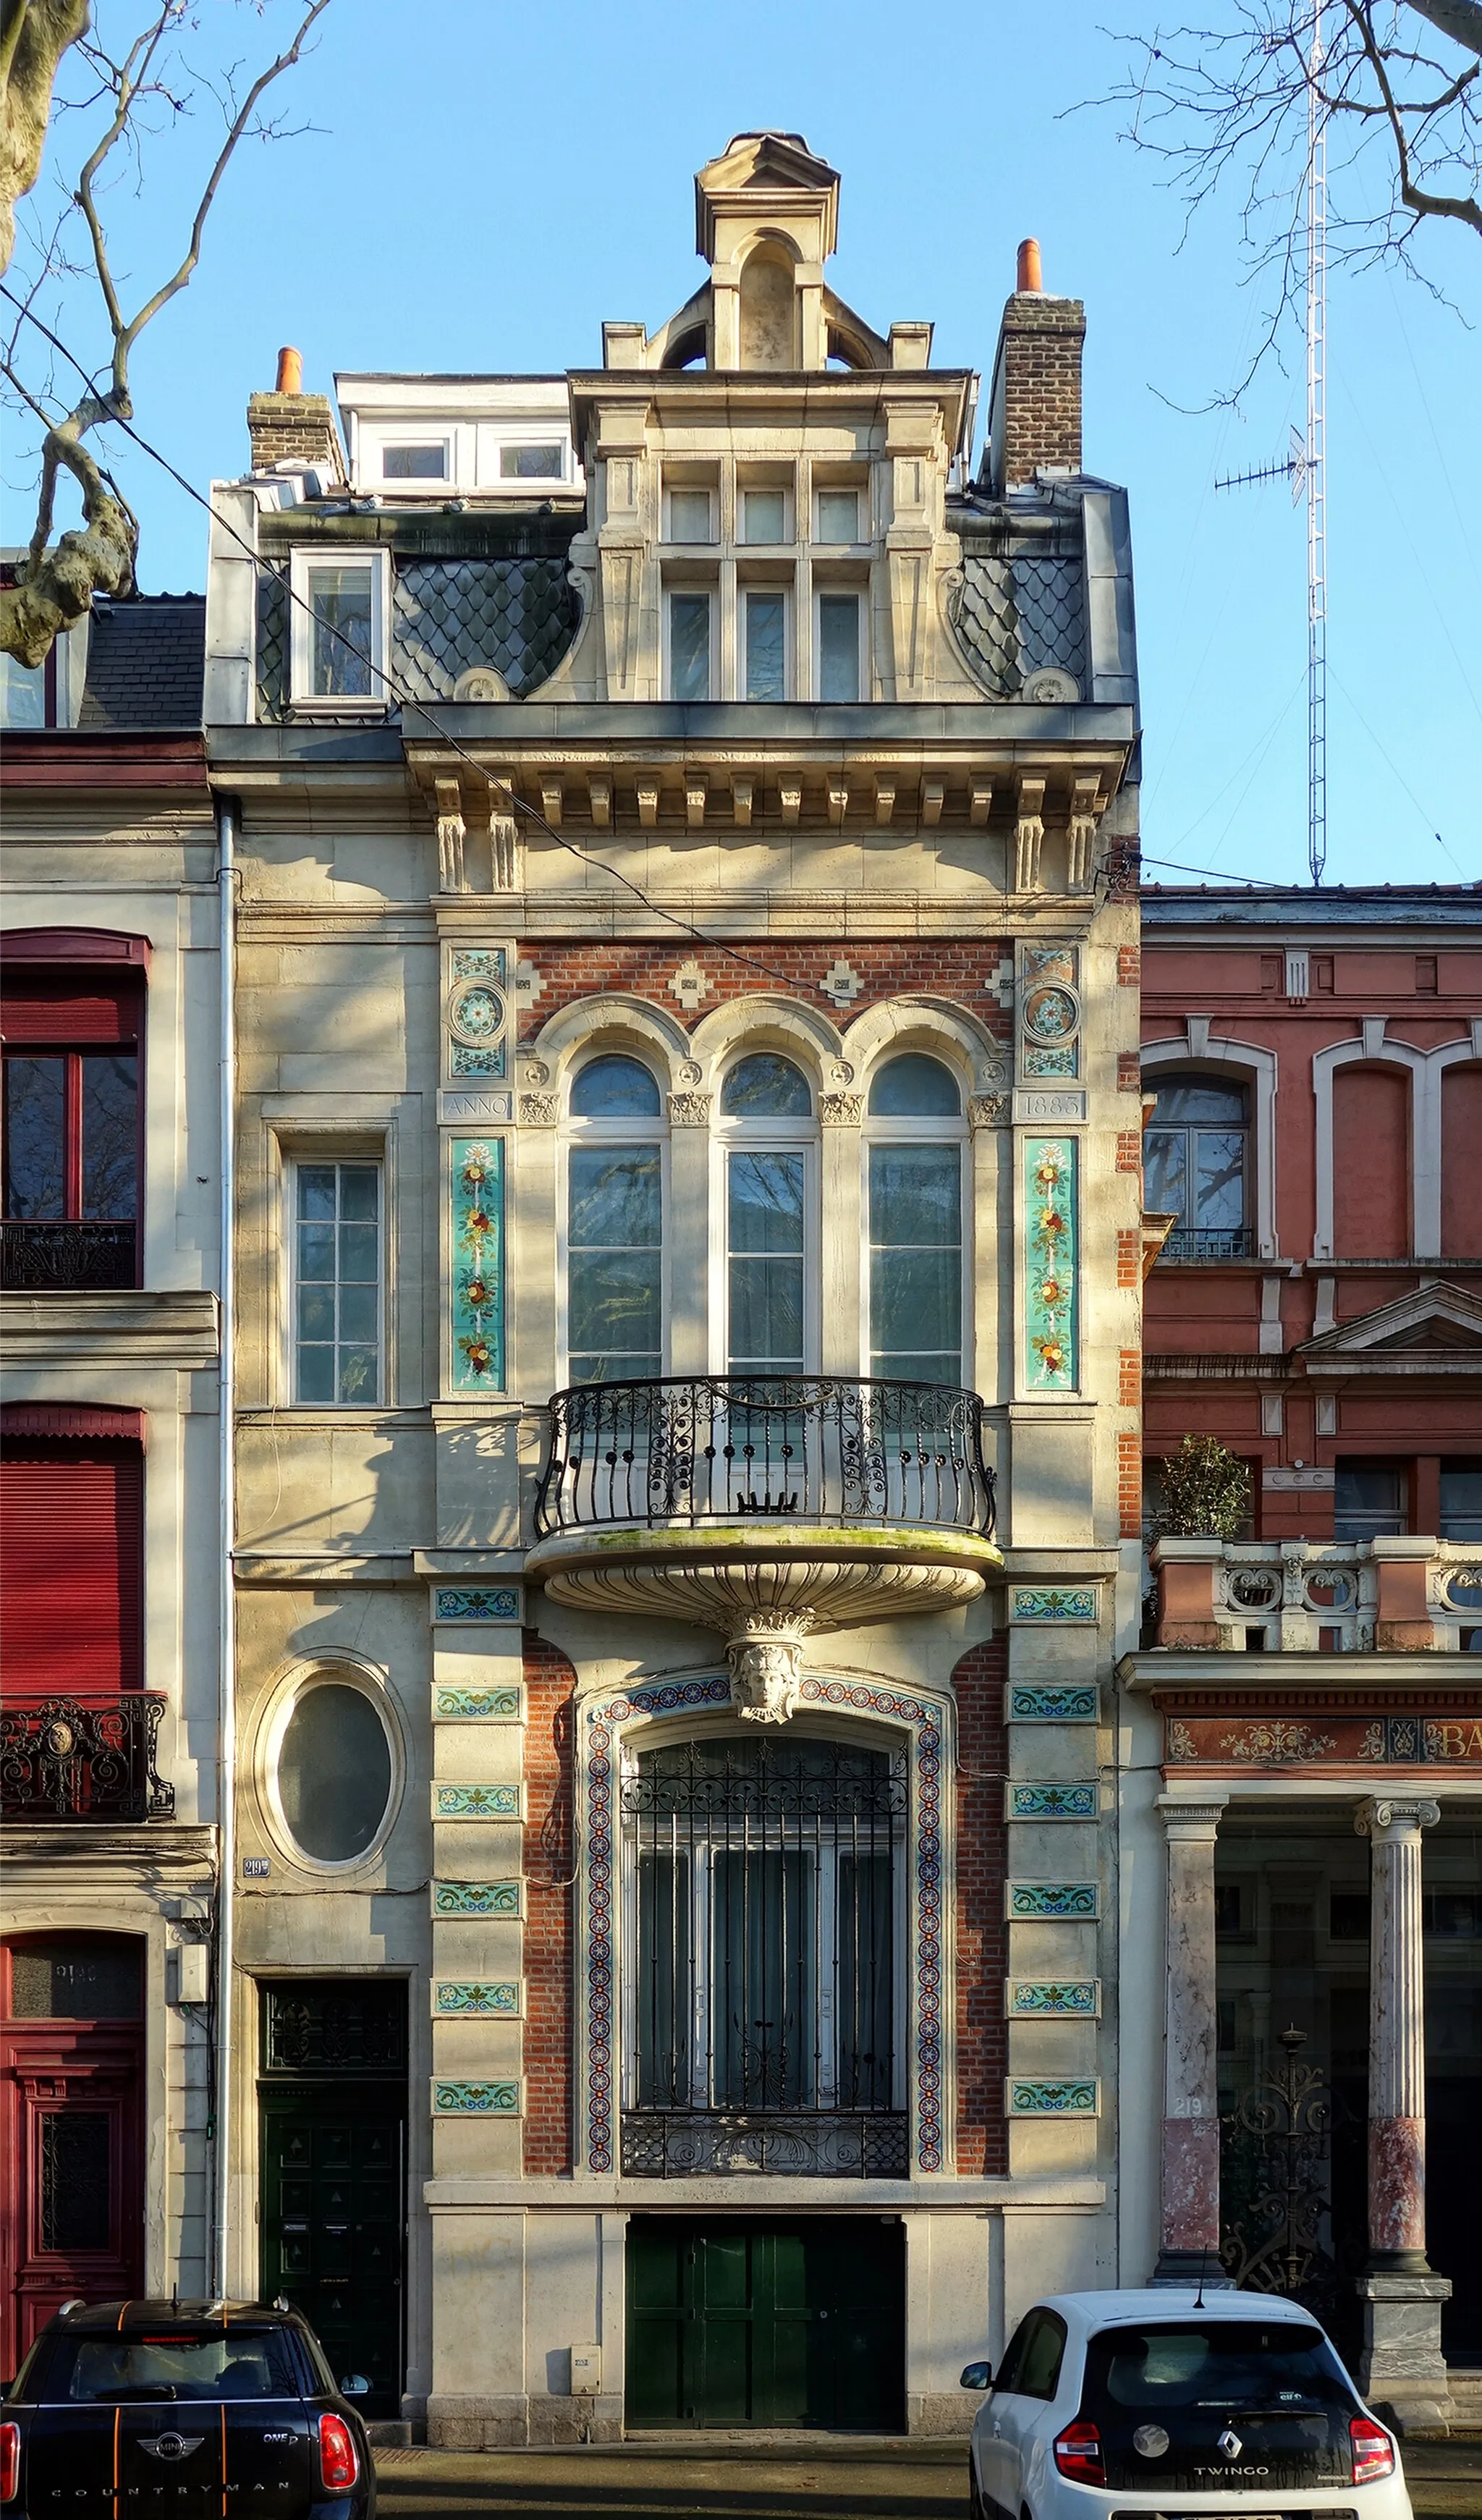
1402 2364
1189 2235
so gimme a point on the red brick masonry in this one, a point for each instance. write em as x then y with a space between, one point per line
550 1697
982 2036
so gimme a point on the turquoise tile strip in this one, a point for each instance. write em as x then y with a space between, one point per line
474 1604
477 1897
1051 1259
1051 1802
475 1705
1034 1705
479 1264
480 963
470 1998
1076 1998
476 1802
1063 1603
477 2099
1042 2100
1026 1900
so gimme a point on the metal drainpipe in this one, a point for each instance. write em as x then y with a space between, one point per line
226 1709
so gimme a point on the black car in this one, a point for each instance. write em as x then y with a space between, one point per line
127 2408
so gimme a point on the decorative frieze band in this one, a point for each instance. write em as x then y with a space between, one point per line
479 1898
455 1703
1026 1702
1052 1999
458 2100
1024 2098
468 1605
1041 1802
1033 1902
472 1999
1064 1604
478 1802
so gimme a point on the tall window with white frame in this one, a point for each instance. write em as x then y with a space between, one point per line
691 643
614 1224
338 1283
839 645
915 1190
1195 1165
767 1134
338 630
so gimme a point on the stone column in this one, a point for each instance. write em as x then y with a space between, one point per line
1188 2234
1401 2363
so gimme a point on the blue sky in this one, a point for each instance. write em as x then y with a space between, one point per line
483 184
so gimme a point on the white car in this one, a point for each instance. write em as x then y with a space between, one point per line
1169 2406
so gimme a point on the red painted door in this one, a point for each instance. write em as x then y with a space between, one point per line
71 2128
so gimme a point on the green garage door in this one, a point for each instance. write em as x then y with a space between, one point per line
768 2323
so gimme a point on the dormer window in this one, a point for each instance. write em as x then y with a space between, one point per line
543 462
339 630
426 461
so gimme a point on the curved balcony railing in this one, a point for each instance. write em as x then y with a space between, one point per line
83 1758
804 1448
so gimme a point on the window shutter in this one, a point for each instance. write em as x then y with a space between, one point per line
72 1565
83 1008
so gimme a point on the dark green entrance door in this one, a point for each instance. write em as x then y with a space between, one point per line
768 2323
333 2185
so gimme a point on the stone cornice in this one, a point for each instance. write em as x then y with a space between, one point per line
584 2192
68 1863
115 1327
1237 1680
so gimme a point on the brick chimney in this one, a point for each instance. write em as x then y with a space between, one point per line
288 425
1034 411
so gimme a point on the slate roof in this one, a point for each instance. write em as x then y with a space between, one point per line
146 663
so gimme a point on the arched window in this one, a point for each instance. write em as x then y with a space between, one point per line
916 1222
332 1770
1195 1165
614 1224
769 1205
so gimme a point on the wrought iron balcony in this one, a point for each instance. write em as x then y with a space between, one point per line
76 1758
65 1253
816 2144
801 1448
1208 1242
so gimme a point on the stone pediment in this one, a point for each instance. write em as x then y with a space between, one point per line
1436 1327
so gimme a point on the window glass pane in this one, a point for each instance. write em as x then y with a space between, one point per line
838 516
615 1202
916 1263
690 516
915 1084
866 1982
1368 1500
764 516
110 1132
316 1190
359 1190
766 1086
342 633
75 2185
1199 1098
336 1317
614 1326
766 1268
664 1964
357 1375
334 1773
414 462
1462 1501
35 1111
1220 1177
838 647
23 694
1165 1172
614 1089
763 1958
766 647
766 1202
690 647
531 462
915 1195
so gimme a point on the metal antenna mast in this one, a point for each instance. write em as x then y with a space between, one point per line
1305 467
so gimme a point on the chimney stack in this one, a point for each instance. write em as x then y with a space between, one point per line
1034 410
290 426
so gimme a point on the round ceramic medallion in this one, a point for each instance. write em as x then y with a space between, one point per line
1050 1013
477 1013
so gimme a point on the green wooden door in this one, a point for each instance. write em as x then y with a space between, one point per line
768 2323
333 2182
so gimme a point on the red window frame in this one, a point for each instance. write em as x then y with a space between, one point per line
65 992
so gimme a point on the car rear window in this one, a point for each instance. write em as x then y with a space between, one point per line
1224 2365
209 2362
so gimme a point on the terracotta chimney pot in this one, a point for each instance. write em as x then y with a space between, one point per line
291 363
1030 282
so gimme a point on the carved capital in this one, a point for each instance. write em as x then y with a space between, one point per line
840 1110
987 1110
1395 1814
538 1110
689 1111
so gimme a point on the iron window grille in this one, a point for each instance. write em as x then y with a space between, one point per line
764 1905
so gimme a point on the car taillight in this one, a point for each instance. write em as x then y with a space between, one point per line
1078 2454
10 2462
1373 2452
339 2463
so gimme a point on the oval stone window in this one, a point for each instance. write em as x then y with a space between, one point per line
334 1774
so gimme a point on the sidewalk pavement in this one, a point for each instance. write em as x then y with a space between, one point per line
675 2477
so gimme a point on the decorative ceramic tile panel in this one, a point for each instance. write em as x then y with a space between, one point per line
1049 1011
452 1702
1027 1901
480 963
1052 1999
1067 1604
479 1264
503 2099
1051 1307
1051 1802
479 1898
478 1802
471 1606
473 1999
1029 1704
1038 2099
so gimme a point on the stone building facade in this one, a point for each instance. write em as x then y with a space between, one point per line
109 1459
690 1246
1303 1726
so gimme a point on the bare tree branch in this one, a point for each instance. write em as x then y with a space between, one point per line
57 582
33 36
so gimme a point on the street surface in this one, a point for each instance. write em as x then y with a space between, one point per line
864 2480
